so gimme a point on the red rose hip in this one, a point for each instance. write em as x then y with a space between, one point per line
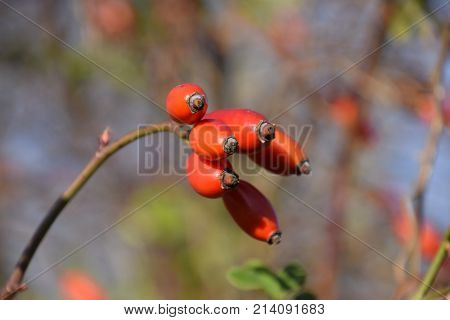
283 155
210 179
186 103
252 211
250 128
212 139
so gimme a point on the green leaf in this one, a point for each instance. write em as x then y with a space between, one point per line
305 295
294 275
254 275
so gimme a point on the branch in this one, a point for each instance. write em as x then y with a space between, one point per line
14 283
437 125
434 268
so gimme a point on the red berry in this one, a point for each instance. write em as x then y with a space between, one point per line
345 110
212 139
113 18
186 103
430 238
249 127
252 211
211 179
75 285
430 241
283 155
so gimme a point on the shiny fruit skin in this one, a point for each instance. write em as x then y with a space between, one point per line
209 138
283 155
206 177
76 285
244 123
252 211
178 108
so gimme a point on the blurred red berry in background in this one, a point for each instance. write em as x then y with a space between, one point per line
402 223
113 18
425 108
344 111
77 285
430 238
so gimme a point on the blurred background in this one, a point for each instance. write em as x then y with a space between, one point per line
369 129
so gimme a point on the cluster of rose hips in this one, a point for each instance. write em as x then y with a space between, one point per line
219 134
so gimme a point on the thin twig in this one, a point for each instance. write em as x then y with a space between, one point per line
429 152
14 283
434 268
434 135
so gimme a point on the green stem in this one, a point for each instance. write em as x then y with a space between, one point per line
14 283
434 268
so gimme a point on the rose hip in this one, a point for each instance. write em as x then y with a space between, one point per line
250 128
212 139
252 211
283 155
186 103
211 179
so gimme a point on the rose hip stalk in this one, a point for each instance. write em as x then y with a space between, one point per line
212 139
252 211
249 127
186 103
211 179
283 155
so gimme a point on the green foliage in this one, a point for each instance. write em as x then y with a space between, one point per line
254 275
406 14
294 275
262 11
305 295
177 242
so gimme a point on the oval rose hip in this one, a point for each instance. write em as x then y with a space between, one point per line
186 103
283 155
252 211
249 127
211 179
212 139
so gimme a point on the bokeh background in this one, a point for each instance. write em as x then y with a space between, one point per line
369 129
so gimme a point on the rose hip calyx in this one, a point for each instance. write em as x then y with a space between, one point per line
230 145
304 167
275 238
229 179
195 102
266 131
